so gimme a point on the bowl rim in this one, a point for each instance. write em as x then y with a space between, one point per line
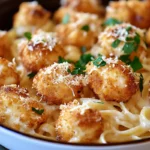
141 141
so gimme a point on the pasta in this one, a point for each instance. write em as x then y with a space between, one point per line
81 76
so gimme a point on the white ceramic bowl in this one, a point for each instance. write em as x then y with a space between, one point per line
16 141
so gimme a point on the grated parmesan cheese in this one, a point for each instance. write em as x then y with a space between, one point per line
48 40
60 74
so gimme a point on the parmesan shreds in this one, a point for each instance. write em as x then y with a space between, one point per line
2 33
80 19
60 74
120 32
33 4
48 40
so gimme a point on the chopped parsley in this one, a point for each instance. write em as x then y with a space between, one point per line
131 44
28 35
137 38
83 49
99 62
85 28
38 111
128 29
141 82
125 59
129 39
129 47
100 102
31 75
111 22
136 64
80 65
61 60
66 19
115 43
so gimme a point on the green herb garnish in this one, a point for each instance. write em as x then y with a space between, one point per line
137 38
99 62
115 43
38 111
129 47
100 102
141 82
80 65
28 35
125 59
136 64
83 49
31 75
131 44
85 28
66 19
129 39
111 22
128 29
62 60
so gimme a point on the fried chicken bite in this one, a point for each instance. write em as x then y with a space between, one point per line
42 50
81 29
119 40
4 44
73 6
8 73
141 9
148 36
113 81
19 111
87 6
79 122
134 12
115 9
56 85
31 14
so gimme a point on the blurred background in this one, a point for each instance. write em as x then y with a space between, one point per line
9 7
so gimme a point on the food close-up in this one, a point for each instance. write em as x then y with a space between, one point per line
79 74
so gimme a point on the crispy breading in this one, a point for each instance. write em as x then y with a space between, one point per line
119 32
87 6
113 82
41 51
134 12
56 85
16 109
31 14
72 33
78 123
8 74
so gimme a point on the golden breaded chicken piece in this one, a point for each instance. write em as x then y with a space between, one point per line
42 50
148 36
141 9
3 43
56 85
8 74
78 122
134 12
31 14
81 29
115 9
19 111
113 82
114 39
87 6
